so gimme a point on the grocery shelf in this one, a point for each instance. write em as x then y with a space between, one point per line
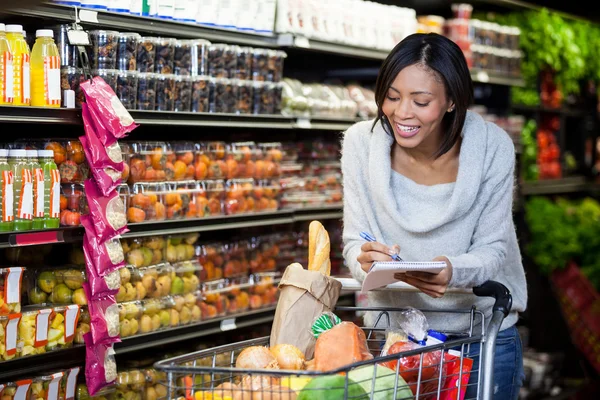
561 111
39 115
133 23
288 40
557 186
490 77
207 224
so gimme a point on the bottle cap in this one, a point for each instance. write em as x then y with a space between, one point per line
3 153
45 153
44 33
31 153
17 153
14 28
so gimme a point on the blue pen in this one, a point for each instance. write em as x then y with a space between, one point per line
369 238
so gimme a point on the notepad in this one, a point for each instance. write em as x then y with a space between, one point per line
382 273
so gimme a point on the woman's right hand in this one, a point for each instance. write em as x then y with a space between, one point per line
374 251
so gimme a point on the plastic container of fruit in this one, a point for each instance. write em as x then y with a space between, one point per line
239 197
263 289
178 196
83 326
212 300
272 155
156 281
267 194
238 293
129 384
30 342
211 257
73 204
181 248
40 386
241 160
185 309
70 160
303 200
56 286
63 324
131 285
106 393
130 314
144 252
214 156
186 279
208 198
147 202
10 289
184 160
148 162
157 314
8 328
264 254
237 259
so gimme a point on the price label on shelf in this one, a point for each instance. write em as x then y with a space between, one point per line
228 324
303 123
302 42
35 238
88 16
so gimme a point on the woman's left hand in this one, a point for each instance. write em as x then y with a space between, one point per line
434 285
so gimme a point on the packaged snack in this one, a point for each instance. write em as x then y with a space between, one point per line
260 65
108 213
33 331
108 107
106 257
183 57
217 63
165 93
165 52
70 78
276 59
200 57
200 93
130 314
107 178
184 157
9 328
10 290
245 97
146 54
99 154
127 47
100 364
244 63
73 204
103 52
63 323
224 96
109 76
263 102
208 198
147 202
101 285
146 95
104 315
183 94
127 88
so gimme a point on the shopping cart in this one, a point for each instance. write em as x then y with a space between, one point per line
443 371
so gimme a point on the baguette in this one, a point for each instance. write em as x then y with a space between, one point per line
318 249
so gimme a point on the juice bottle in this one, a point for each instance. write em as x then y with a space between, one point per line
20 52
45 70
6 69
51 189
7 221
23 190
37 176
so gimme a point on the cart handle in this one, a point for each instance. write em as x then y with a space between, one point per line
499 292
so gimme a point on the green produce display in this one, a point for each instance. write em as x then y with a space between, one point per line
332 387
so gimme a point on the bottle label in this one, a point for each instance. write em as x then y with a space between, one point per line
10 334
72 383
52 80
25 80
71 319
54 193
7 79
26 201
38 193
54 386
42 321
22 389
8 181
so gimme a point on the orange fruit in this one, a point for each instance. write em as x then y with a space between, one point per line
179 170
135 214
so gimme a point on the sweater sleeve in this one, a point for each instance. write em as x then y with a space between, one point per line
487 252
355 218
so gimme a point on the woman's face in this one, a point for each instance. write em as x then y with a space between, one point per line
415 105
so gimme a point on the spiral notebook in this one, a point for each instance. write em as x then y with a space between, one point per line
382 273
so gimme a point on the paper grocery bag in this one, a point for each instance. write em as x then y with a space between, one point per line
304 296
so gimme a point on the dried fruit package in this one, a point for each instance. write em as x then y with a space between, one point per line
109 109
100 364
104 257
104 316
107 178
108 213
100 155
105 136
101 286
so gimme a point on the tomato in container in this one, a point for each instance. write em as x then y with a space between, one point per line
149 162
207 198
147 202
183 163
73 204
267 194
269 163
210 256
241 160
70 160
239 197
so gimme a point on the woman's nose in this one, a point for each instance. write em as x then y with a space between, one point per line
403 110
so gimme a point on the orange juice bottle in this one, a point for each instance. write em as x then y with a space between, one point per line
45 70
6 69
20 52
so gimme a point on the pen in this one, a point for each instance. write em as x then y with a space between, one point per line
369 238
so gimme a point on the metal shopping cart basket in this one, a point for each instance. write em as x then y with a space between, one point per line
460 368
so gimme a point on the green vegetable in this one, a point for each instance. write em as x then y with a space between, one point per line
384 383
530 170
332 387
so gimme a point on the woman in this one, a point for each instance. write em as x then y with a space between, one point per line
437 180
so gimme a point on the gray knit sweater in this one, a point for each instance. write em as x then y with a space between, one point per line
470 222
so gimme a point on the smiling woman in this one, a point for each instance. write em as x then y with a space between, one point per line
437 181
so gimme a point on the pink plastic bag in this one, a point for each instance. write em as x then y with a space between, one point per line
106 175
100 155
104 257
104 316
100 364
101 286
108 107
108 213
103 134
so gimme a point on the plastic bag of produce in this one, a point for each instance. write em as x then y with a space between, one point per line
109 109
104 257
104 317
108 213
100 364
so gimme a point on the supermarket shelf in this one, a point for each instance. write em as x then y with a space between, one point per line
557 186
300 42
208 224
489 77
132 23
28 367
562 111
39 115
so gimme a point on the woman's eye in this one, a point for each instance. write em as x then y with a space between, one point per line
392 98
421 104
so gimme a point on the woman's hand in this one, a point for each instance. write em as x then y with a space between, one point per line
434 285
374 251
